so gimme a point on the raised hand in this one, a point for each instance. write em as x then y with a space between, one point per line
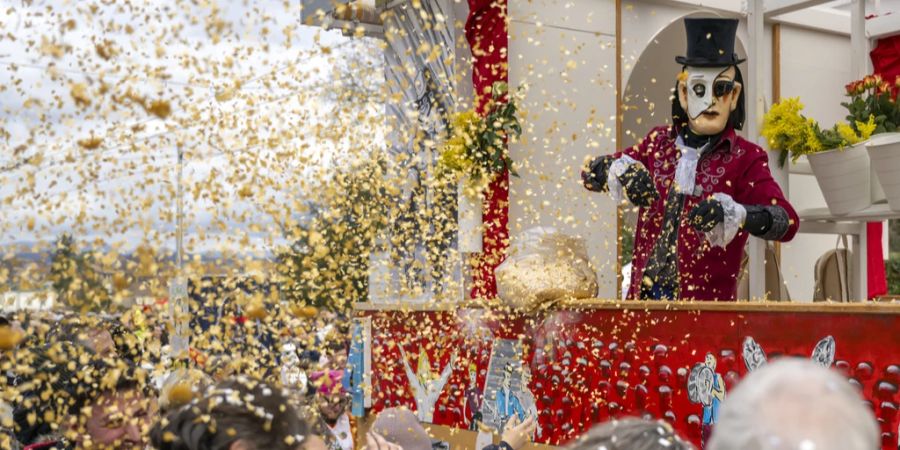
518 434
639 186
706 215
375 441
594 175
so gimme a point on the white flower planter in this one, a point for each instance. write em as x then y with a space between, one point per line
469 211
844 177
884 152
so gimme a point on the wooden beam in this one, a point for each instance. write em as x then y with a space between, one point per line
883 26
825 20
776 97
778 7
632 306
859 43
776 63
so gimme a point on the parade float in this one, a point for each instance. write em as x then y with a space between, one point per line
593 78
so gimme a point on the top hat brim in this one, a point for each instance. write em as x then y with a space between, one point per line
706 62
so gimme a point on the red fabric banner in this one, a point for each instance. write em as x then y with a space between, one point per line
886 62
592 365
486 33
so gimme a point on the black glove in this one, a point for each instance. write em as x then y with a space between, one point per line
770 222
639 185
759 221
706 215
594 178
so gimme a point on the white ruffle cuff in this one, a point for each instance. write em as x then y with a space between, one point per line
735 215
616 169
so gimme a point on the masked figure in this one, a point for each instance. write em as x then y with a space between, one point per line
701 188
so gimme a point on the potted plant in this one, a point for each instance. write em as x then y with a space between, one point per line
874 97
473 154
837 155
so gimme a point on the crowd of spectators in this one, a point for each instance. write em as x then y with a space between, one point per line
89 381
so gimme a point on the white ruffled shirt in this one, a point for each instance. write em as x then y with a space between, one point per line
685 181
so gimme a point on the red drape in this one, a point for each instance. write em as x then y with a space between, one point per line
486 33
886 62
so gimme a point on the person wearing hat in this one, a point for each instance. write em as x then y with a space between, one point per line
700 188
336 425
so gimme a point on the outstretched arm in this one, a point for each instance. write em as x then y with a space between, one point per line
769 214
719 391
448 369
413 380
624 173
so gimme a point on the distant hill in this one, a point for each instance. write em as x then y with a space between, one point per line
26 266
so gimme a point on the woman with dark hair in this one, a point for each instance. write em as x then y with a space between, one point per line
238 414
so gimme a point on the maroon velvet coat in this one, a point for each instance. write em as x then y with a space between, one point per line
735 167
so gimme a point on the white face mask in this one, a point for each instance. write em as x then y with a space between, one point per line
700 83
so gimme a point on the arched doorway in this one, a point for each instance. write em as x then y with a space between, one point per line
646 103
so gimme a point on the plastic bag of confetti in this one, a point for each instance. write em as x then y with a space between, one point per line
545 266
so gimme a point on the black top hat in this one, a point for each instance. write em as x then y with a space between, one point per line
710 43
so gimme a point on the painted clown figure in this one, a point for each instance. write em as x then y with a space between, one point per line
701 188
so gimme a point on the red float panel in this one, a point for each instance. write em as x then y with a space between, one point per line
595 363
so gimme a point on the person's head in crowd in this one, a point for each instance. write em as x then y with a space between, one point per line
631 434
84 400
87 331
237 414
793 403
125 342
6 421
181 386
220 367
11 334
334 351
116 416
332 399
339 352
401 427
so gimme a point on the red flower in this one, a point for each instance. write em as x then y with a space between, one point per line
855 87
850 87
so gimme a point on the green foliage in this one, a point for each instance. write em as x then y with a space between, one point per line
500 124
75 280
326 265
892 266
477 147
882 108
872 96
627 243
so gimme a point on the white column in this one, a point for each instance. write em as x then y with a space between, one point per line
859 282
179 340
756 102
859 42
859 67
